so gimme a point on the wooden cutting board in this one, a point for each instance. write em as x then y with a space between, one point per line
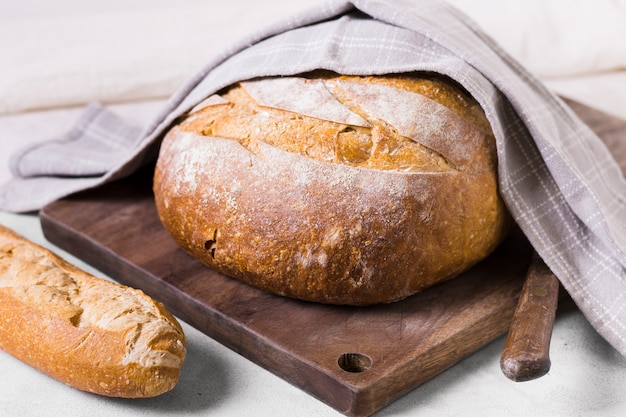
357 360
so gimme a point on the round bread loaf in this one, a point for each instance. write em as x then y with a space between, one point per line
334 189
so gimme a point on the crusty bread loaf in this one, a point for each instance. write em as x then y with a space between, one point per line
87 332
358 213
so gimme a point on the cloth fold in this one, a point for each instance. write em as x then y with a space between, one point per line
94 146
561 184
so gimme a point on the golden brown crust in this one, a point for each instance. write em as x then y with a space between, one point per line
87 332
290 204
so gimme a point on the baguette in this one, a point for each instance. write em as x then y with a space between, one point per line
334 189
86 332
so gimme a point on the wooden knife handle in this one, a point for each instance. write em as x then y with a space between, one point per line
526 353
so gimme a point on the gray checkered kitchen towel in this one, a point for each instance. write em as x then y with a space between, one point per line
562 186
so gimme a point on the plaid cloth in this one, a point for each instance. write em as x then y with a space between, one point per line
562 186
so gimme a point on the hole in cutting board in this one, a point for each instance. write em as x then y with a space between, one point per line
354 362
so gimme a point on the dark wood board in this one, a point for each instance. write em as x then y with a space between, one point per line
357 360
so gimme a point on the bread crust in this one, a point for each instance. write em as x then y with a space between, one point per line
89 333
272 202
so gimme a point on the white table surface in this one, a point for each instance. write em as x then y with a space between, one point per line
587 377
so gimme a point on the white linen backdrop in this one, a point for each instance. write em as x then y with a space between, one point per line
68 53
